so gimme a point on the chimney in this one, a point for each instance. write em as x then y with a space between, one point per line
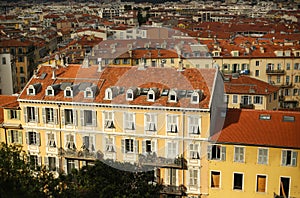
85 63
53 66
262 50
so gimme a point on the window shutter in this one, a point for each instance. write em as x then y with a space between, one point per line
46 162
209 150
283 158
81 117
92 143
144 146
57 164
36 113
9 136
65 165
136 146
18 114
76 164
39 161
106 144
153 146
38 139
74 117
294 158
55 116
8 114
25 114
20 137
27 137
44 114
223 153
94 118
63 117
123 145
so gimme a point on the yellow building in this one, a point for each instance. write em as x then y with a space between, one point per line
158 117
255 155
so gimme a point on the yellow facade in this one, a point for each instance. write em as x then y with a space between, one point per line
251 169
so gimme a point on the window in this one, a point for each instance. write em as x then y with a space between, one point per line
13 114
148 146
129 145
239 154
194 125
172 150
238 181
69 117
172 96
171 176
195 98
34 161
234 99
108 94
194 151
256 72
297 79
172 60
286 92
129 95
49 91
21 69
246 100
172 122
261 181
278 79
88 93
150 122
51 140
49 115
88 118
215 179
226 98
70 165
258 99
15 136
151 95
257 63
70 141
193 173
289 158
296 66
3 60
50 163
109 144
33 138
275 96
88 143
262 156
288 66
216 152
108 120
129 121
20 59
68 92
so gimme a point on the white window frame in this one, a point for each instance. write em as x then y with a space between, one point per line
84 118
70 142
68 90
51 141
194 125
146 143
222 152
261 157
47 164
108 119
49 88
243 181
110 144
293 158
172 123
151 122
194 151
31 90
239 154
172 149
91 142
15 136
152 93
210 183
129 91
195 98
266 184
49 115
129 121
34 112
88 93
132 145
260 99
108 94
171 95
235 99
194 177
33 138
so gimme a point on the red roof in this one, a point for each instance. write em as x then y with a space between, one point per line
161 78
7 102
246 127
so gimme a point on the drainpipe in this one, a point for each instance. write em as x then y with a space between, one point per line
60 140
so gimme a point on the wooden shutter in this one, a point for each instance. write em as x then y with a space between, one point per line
82 117
136 146
123 145
27 137
38 139
94 118
63 121
209 152
36 114
55 116
46 162
20 137
144 146
261 183
8 114
223 153
294 158
9 136
25 114
74 117
153 146
283 158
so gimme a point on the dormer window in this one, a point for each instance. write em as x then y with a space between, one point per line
195 98
68 92
151 95
130 94
108 94
172 96
30 91
89 93
34 89
49 91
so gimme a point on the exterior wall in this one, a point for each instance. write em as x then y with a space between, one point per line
7 77
250 168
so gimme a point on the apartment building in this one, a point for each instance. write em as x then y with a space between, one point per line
243 91
157 117
255 155
8 83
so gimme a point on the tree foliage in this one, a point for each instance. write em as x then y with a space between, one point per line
17 179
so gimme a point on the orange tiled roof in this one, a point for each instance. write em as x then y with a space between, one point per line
243 84
161 78
245 127
7 102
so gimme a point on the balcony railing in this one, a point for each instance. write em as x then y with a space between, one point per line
80 154
154 160
174 190
246 106
287 85
275 71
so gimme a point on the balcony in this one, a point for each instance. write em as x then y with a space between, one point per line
154 160
275 71
84 155
246 106
174 190
287 85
